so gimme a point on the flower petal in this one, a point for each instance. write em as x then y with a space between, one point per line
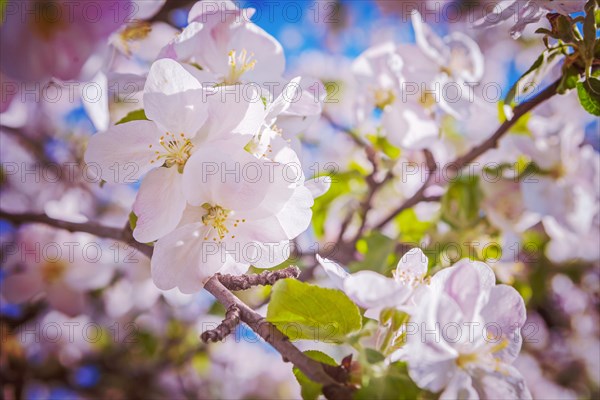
182 259
159 204
234 180
369 289
174 99
460 387
413 263
336 273
21 287
122 153
505 309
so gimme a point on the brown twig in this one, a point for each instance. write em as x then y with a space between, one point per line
416 198
243 282
122 235
311 368
231 321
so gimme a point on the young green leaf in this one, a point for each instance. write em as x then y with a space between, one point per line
532 78
135 115
394 384
304 311
460 203
589 95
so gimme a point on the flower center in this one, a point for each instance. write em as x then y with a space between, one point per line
410 279
53 271
47 18
137 30
238 65
174 150
458 62
483 355
383 98
217 218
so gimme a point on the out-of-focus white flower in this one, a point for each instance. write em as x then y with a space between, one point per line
60 265
467 335
526 12
375 292
56 39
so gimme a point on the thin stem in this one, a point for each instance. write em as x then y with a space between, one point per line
122 235
416 198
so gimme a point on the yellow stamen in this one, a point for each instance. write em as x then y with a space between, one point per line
175 151
52 271
238 65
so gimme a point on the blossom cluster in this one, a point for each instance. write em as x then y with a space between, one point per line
448 247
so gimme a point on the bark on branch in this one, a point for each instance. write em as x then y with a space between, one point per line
231 321
290 353
122 235
243 282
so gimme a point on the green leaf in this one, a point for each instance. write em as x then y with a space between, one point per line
136 115
394 384
304 311
342 183
376 248
3 4
311 390
412 229
460 203
568 80
563 27
373 356
589 95
532 78
132 220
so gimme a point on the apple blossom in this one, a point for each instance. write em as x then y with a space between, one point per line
475 365
55 264
178 110
526 12
228 48
376 292
57 37
242 211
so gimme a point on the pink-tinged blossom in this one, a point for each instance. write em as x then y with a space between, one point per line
242 211
229 49
177 107
57 38
56 265
375 292
526 12
467 335
416 85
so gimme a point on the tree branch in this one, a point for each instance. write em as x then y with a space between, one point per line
311 368
243 282
492 141
231 321
416 198
290 353
122 235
